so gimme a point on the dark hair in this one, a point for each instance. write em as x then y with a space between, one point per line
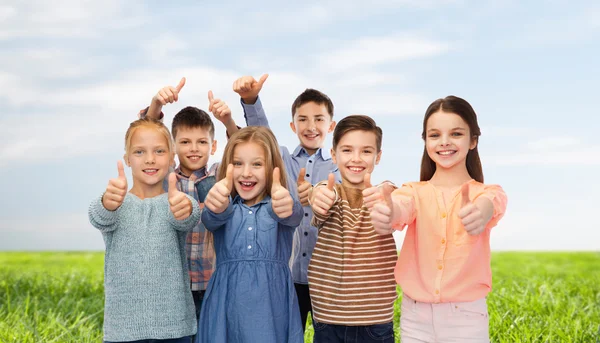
312 95
192 117
357 122
462 108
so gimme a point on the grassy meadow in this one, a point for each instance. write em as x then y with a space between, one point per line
536 297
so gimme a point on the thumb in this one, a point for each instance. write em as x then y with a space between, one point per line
172 184
229 177
211 97
121 170
330 181
387 195
368 180
262 79
301 178
276 178
465 195
181 84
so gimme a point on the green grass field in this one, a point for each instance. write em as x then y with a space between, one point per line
537 297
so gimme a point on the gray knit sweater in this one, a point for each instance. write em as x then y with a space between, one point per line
146 282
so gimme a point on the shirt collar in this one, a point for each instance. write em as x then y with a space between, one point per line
324 153
198 174
239 200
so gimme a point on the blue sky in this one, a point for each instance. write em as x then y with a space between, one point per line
73 74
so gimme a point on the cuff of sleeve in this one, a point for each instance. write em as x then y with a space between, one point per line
143 112
105 216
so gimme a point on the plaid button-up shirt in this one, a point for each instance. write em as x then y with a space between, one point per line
200 255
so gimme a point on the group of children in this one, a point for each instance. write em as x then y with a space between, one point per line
243 250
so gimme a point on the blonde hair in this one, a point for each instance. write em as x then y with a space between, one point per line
264 138
150 124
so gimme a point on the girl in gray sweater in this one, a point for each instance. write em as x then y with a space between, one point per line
146 283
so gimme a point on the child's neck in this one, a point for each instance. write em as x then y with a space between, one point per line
448 178
348 184
309 151
144 191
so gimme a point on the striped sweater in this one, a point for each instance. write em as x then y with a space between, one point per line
351 273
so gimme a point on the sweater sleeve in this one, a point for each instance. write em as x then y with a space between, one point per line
101 218
188 223
255 114
318 219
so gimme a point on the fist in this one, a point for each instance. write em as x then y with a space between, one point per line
116 190
281 200
217 199
304 188
219 108
180 204
168 94
323 197
248 88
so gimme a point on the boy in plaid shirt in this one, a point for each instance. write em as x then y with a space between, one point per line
193 132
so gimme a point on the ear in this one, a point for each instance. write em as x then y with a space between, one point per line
126 159
474 142
292 126
331 126
378 158
214 147
333 156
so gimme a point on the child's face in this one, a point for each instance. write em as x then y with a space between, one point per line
448 140
355 155
148 157
312 123
249 172
193 146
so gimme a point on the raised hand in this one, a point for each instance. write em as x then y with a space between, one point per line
248 88
382 212
219 109
371 195
116 190
217 198
304 188
168 94
281 200
323 197
471 215
180 204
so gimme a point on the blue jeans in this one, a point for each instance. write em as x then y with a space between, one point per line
330 333
187 339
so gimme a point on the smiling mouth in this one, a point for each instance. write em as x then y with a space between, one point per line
194 158
446 152
356 170
247 185
150 171
312 136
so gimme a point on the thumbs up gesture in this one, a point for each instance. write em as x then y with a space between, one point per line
304 188
181 205
217 198
219 109
248 88
281 200
324 196
474 216
371 195
116 190
168 94
382 212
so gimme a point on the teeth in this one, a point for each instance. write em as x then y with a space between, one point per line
194 158
358 170
150 170
446 152
248 184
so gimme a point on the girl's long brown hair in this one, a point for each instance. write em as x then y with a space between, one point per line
461 107
263 137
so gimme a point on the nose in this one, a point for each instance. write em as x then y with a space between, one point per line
150 158
444 141
195 147
356 156
246 171
312 126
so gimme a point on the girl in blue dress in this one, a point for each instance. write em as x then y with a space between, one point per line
252 217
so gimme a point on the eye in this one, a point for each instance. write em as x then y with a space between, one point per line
367 151
319 119
457 134
237 163
161 151
434 135
301 119
203 142
257 164
138 152
346 150
184 142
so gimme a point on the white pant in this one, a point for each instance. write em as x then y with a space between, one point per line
451 322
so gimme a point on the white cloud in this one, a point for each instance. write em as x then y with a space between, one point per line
579 155
369 51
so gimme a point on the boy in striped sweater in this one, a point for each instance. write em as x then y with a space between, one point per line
351 273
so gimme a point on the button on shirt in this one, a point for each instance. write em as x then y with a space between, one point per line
440 261
318 166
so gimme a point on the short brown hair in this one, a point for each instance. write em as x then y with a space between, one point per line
357 122
312 95
192 117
